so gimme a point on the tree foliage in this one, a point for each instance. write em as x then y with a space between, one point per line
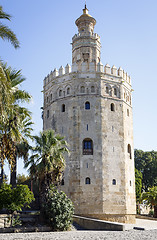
138 184
146 163
13 199
47 162
21 179
5 32
15 120
151 198
58 210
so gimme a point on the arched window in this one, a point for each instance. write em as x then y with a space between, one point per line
47 99
82 89
62 182
129 150
114 182
87 180
51 96
115 91
87 105
48 113
128 112
92 89
107 89
112 107
63 107
60 93
87 146
68 90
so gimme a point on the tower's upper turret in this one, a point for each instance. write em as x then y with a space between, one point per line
86 44
85 22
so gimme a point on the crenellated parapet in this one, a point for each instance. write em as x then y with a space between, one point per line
89 34
86 67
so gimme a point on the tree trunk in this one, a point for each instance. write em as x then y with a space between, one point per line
13 173
31 184
2 174
155 211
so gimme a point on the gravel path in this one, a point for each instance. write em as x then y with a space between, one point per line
84 235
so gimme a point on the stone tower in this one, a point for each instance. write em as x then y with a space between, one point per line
91 106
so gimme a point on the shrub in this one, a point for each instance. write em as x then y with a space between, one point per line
16 198
58 210
151 213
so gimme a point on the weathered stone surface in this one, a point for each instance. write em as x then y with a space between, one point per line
108 123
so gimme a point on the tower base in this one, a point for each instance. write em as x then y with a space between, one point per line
121 218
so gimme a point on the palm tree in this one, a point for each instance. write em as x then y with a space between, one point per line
22 147
47 162
151 198
5 32
15 128
30 163
6 100
5 93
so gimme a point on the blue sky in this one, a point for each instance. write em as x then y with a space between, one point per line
128 31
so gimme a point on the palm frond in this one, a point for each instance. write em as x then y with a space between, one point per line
7 34
4 15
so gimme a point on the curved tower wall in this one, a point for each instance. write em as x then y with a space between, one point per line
91 105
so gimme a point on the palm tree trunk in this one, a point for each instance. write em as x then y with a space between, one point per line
13 173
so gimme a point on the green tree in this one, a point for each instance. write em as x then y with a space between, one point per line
151 198
47 162
5 32
15 125
6 99
146 163
58 210
22 147
33 171
138 184
13 199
